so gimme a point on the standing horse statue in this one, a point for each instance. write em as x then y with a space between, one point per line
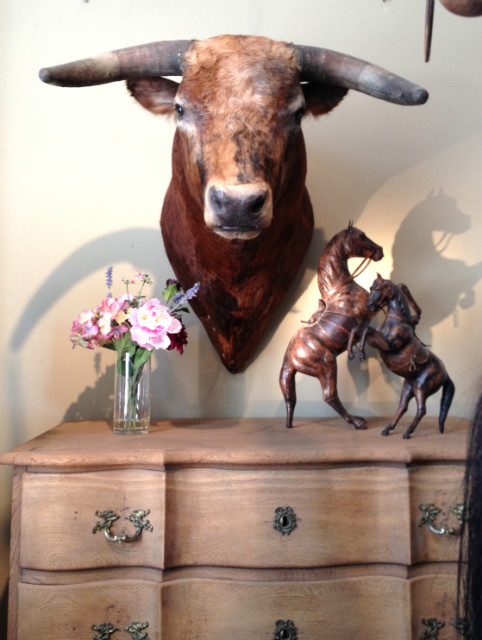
334 327
404 354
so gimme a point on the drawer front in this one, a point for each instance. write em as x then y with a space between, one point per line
59 516
70 611
356 608
342 516
434 600
442 487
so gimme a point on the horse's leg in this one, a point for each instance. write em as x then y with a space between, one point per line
420 396
327 378
361 345
351 340
405 397
288 388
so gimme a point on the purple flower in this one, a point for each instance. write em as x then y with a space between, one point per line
108 280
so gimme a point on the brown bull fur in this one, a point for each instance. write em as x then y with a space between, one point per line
240 126
237 217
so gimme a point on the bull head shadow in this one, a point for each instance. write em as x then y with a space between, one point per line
237 216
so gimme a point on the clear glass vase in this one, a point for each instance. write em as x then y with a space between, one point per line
132 399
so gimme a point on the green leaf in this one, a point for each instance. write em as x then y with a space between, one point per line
169 293
141 357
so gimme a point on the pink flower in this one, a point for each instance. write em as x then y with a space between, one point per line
84 329
151 323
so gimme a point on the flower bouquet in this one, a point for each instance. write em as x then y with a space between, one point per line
134 327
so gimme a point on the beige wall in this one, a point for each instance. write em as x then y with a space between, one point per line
83 173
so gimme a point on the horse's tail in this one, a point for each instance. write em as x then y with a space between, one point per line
448 393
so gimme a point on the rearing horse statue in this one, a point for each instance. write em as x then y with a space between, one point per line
404 354
334 327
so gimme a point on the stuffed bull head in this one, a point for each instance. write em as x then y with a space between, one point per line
237 216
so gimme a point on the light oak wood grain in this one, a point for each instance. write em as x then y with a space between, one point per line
356 566
58 516
345 515
74 446
68 612
442 485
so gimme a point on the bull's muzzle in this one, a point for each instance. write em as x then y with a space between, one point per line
238 211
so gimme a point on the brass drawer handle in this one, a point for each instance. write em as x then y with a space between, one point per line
434 626
430 512
285 630
284 520
136 629
109 517
105 631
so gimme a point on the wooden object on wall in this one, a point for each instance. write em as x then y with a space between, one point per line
255 530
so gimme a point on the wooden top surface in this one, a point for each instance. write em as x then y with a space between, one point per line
239 442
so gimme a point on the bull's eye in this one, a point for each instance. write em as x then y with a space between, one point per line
299 113
180 110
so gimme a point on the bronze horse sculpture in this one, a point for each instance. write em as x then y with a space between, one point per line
334 327
404 354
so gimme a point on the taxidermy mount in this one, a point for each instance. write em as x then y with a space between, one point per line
237 216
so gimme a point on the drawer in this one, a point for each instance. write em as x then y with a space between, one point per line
58 515
440 485
373 608
70 611
343 515
434 600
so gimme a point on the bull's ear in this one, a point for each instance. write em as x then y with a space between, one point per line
322 98
157 95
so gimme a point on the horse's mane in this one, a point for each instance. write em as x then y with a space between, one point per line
469 596
402 305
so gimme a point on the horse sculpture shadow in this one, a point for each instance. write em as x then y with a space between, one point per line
404 354
415 251
335 326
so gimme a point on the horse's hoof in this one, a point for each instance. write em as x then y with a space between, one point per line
363 357
406 436
386 432
350 356
360 423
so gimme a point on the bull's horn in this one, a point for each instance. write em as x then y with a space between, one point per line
143 61
330 67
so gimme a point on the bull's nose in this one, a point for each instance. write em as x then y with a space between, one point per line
237 206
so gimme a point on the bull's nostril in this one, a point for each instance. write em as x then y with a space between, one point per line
257 203
217 197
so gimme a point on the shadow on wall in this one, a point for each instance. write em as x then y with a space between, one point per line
446 284
138 247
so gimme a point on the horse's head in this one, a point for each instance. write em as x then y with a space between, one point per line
358 245
381 292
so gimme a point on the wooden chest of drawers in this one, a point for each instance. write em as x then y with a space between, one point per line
249 531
